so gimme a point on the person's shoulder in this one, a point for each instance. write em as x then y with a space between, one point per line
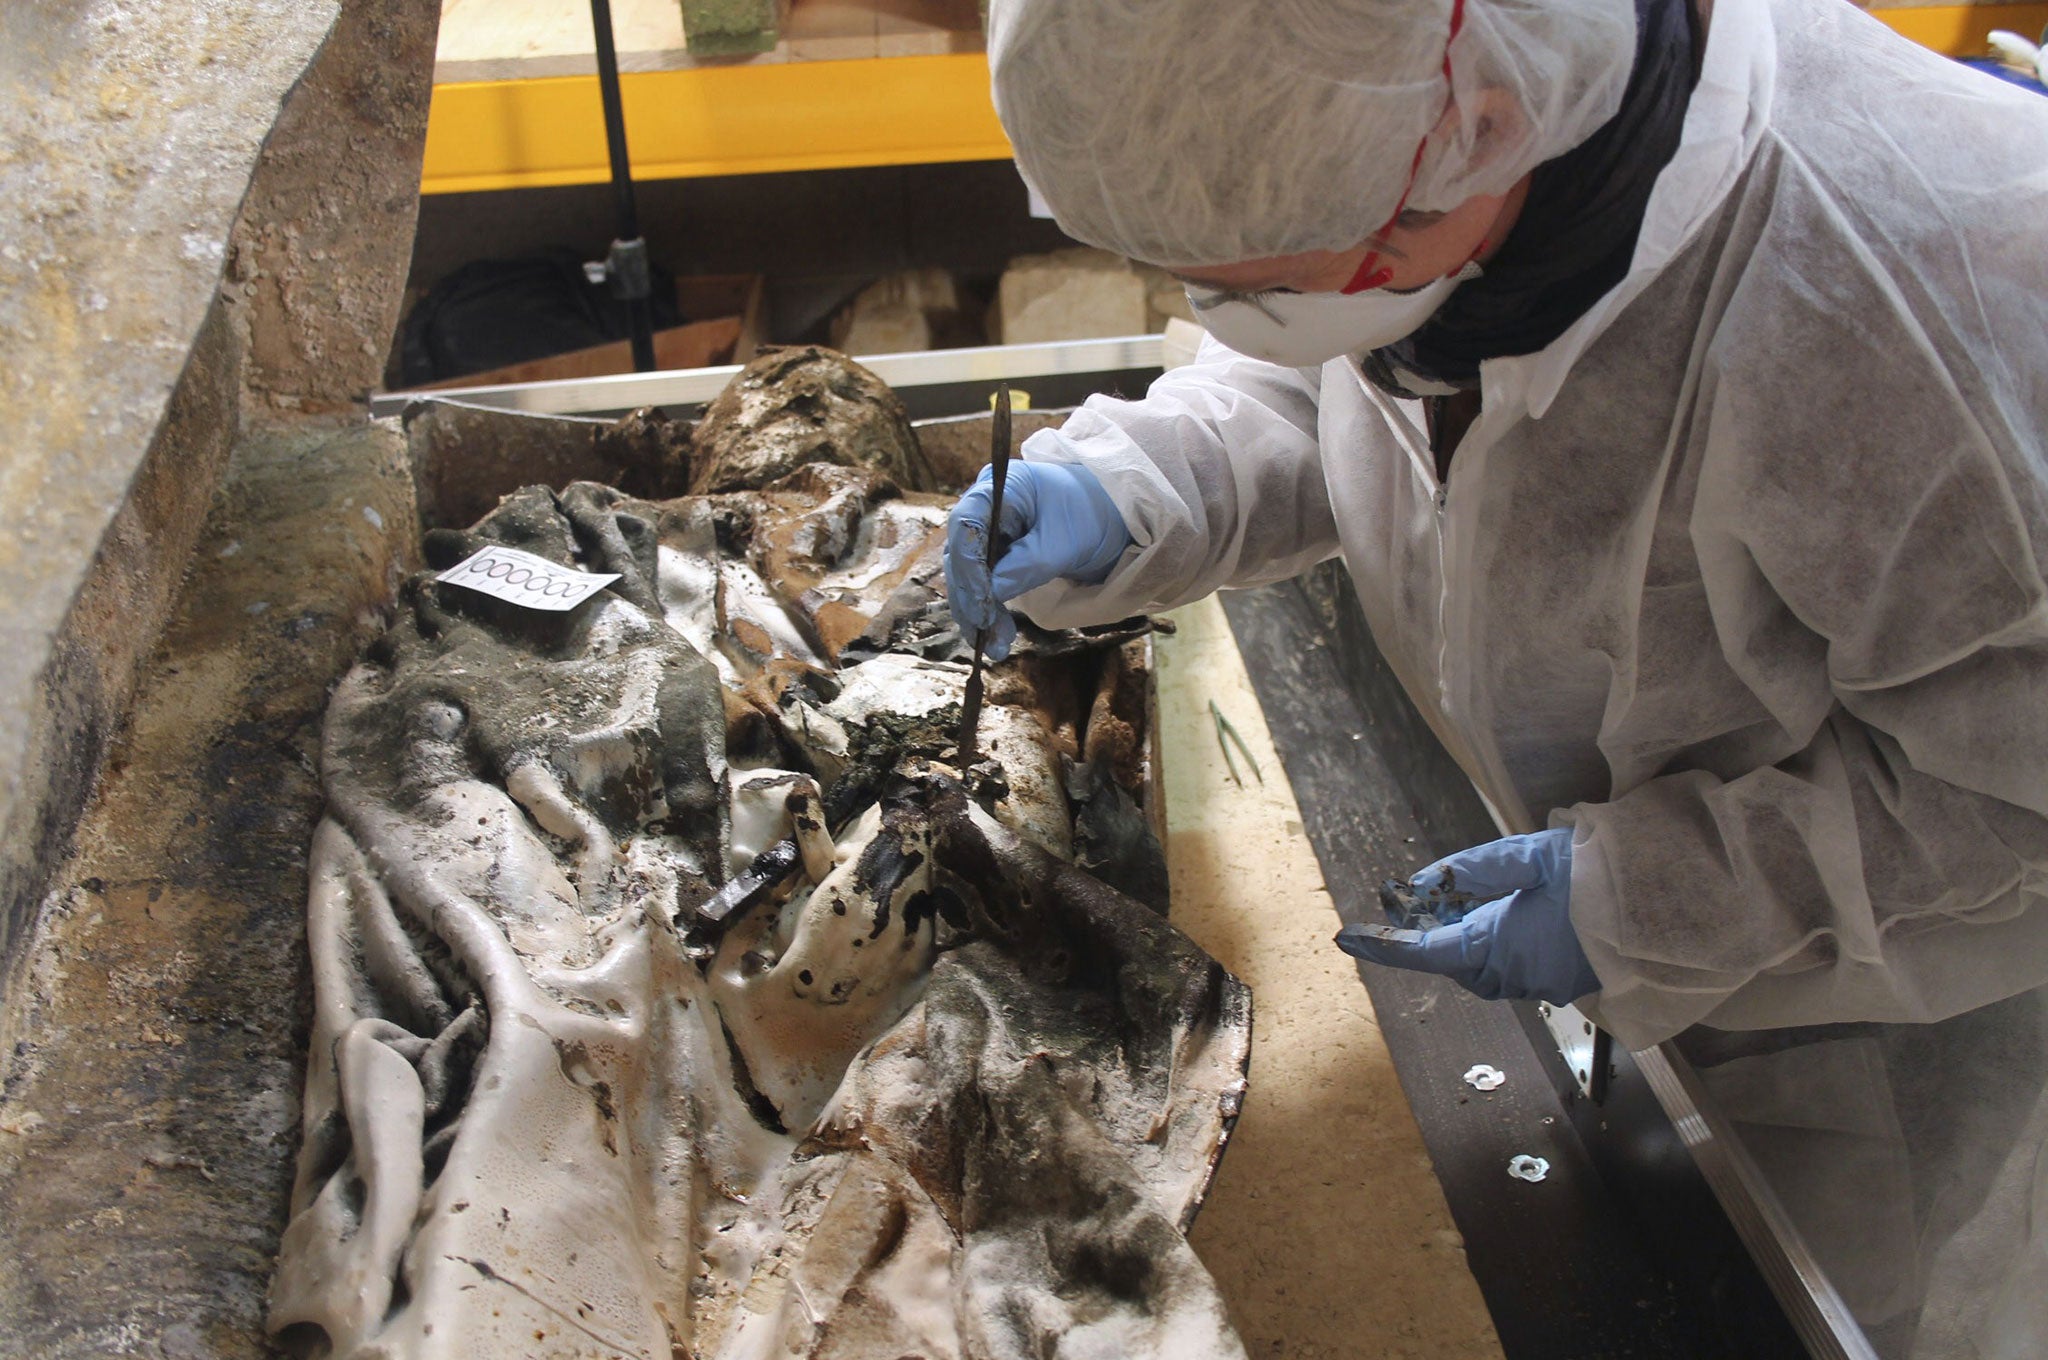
1848 91
1897 206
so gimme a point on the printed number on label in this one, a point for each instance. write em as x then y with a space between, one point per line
525 579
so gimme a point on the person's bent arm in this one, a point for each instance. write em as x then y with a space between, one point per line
1843 884
1873 572
1218 475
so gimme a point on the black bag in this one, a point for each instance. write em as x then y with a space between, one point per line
497 312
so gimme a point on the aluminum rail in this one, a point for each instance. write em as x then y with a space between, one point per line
695 386
1811 1303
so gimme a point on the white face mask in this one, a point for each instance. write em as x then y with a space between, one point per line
1306 330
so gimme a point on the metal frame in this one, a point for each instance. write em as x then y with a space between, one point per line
1585 1049
1811 1303
777 114
724 119
695 386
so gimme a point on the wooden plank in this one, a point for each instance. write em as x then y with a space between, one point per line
486 40
736 295
511 39
923 28
832 30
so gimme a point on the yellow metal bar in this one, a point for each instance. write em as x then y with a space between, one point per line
1959 30
815 115
715 120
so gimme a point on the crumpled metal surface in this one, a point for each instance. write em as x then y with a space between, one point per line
941 1092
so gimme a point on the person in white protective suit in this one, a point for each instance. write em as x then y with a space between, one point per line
1673 384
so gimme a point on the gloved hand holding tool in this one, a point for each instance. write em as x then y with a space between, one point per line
1056 521
1495 919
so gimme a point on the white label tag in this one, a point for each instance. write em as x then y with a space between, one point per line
525 579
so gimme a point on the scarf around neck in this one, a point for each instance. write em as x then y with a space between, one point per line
1577 230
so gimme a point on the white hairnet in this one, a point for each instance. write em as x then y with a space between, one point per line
1187 133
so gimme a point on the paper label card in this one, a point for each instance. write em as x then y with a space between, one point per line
525 579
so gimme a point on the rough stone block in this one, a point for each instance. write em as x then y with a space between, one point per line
1165 299
900 314
1073 294
155 1092
731 28
143 134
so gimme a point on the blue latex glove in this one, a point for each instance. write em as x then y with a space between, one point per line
1058 521
1506 926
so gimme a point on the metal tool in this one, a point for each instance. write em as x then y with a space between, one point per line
999 464
935 382
1226 733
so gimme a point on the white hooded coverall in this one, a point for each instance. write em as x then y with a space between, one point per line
1741 578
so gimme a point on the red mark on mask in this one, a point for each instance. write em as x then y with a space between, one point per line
1371 274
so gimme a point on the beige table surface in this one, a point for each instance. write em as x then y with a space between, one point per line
1326 1228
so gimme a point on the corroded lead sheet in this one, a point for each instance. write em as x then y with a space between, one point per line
940 1092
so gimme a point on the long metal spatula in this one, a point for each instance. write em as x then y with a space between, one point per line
999 463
